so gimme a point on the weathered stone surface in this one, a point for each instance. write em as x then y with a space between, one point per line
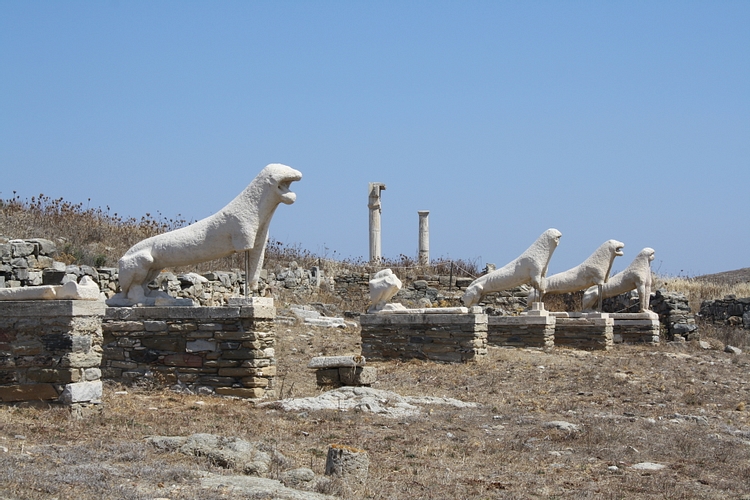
246 392
460 337
200 345
366 399
329 376
360 375
351 464
732 350
256 487
187 360
336 361
82 392
27 392
243 222
529 267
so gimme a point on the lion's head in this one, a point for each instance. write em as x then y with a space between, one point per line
280 177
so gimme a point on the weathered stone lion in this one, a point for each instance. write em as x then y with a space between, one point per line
383 286
593 271
637 276
241 225
529 267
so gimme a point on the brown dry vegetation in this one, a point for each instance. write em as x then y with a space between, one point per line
624 400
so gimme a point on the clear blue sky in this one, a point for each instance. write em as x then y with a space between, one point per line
625 120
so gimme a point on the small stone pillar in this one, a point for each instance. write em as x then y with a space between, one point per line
424 237
347 463
374 205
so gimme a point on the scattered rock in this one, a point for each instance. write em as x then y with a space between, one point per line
231 453
562 425
732 350
350 464
365 399
700 419
256 487
648 466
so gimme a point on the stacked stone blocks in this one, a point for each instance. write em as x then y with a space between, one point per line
225 350
588 331
439 337
521 331
635 328
51 350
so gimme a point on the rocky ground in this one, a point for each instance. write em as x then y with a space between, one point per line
635 422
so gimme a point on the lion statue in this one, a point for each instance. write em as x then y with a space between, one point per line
529 267
593 271
637 276
240 226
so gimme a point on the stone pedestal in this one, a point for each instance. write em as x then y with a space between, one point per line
50 350
591 331
439 337
223 350
521 331
631 328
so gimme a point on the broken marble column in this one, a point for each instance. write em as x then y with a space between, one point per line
374 205
424 237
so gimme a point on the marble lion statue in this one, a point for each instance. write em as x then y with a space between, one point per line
593 271
529 267
241 225
637 276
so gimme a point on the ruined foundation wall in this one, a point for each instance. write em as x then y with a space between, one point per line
439 337
225 350
50 350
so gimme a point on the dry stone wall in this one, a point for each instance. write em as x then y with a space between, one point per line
439 337
226 350
729 310
51 350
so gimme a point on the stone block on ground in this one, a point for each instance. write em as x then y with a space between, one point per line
336 361
359 375
329 376
82 392
348 463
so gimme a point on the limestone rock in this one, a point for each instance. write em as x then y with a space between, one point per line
256 487
348 463
365 399
228 452
82 392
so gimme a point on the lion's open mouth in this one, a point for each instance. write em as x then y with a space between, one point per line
287 196
618 250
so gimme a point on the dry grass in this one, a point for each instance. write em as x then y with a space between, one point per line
97 237
702 288
625 402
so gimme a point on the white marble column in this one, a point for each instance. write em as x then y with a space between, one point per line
374 205
424 237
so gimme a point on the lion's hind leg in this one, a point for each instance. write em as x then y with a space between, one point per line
135 270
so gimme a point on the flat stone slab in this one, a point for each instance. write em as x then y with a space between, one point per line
51 308
336 361
648 466
82 392
261 311
366 399
426 310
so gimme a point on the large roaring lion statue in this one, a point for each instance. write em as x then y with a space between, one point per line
529 267
241 225
593 271
637 276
